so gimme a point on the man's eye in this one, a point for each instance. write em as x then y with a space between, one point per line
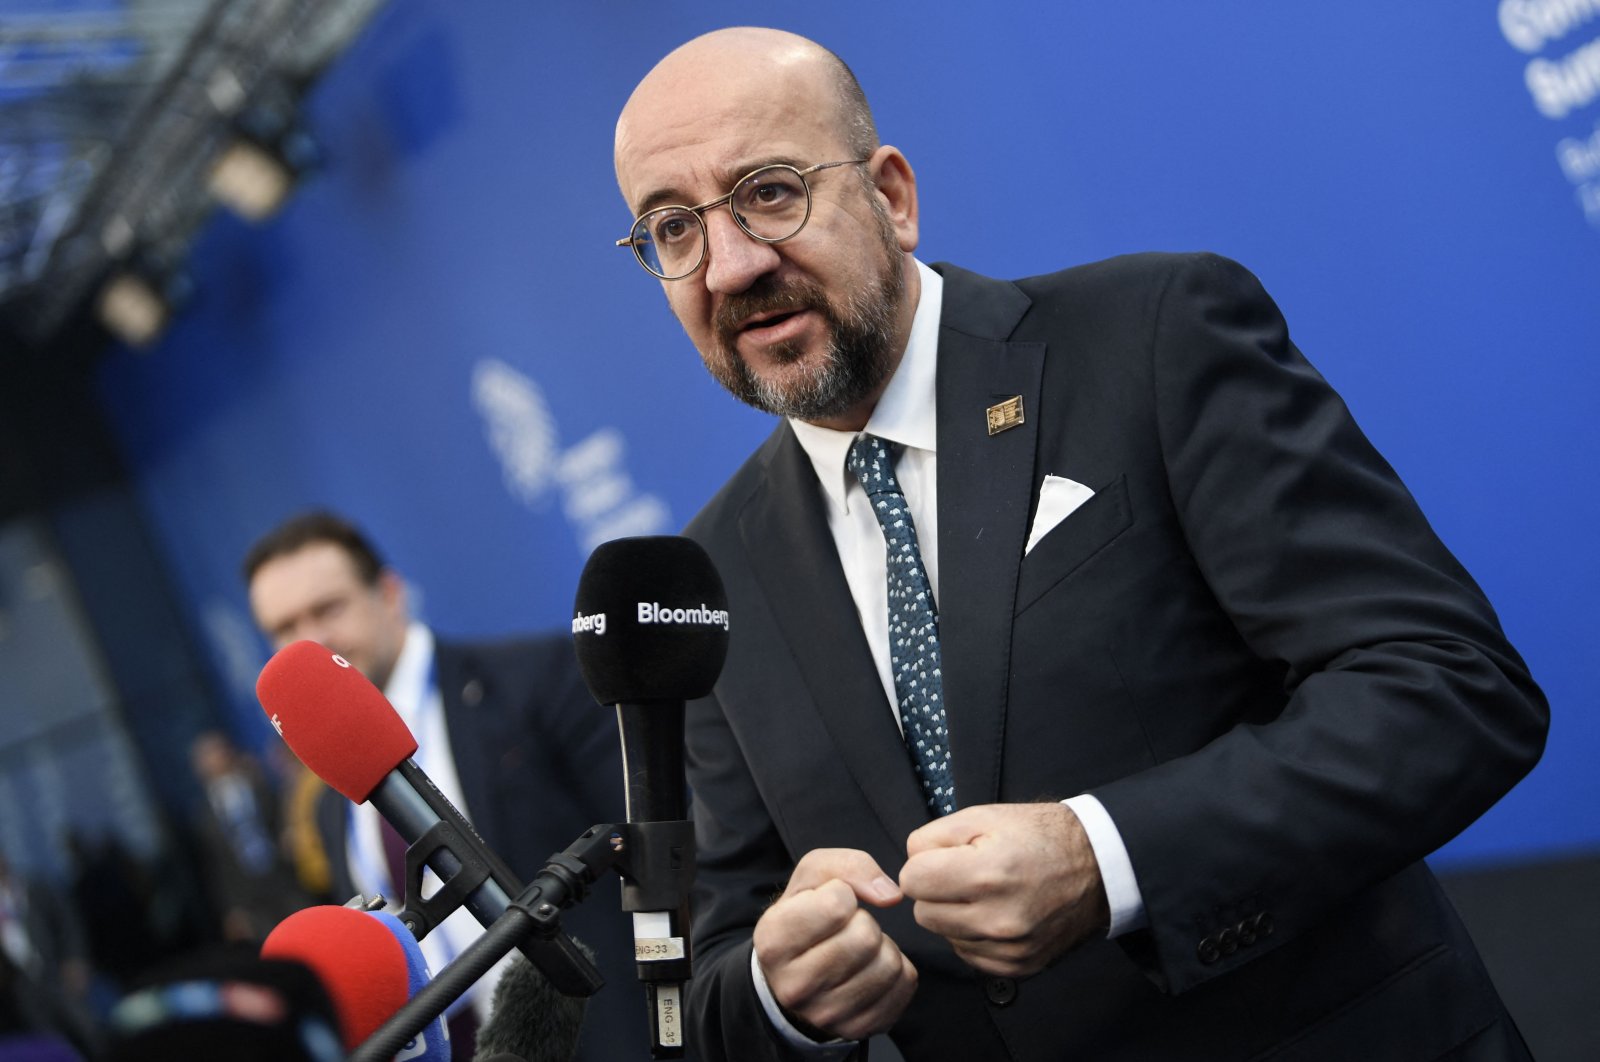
672 228
330 609
768 194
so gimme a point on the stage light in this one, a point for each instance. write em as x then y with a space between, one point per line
256 172
251 180
137 302
132 309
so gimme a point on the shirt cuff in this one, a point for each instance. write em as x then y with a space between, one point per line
1116 869
828 1052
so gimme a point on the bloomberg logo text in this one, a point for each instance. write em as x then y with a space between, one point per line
702 616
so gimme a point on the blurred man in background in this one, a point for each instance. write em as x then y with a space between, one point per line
506 730
247 874
44 962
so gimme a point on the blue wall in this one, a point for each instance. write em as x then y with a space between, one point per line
438 337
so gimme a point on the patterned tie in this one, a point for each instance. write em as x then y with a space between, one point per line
913 626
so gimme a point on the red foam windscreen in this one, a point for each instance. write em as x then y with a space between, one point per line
333 718
358 960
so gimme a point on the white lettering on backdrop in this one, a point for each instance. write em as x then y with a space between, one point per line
598 496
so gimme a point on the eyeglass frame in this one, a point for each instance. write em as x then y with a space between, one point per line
633 243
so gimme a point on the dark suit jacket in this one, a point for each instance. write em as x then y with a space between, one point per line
263 893
540 762
1248 645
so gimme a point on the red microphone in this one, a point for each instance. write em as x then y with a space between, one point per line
369 964
350 736
334 719
344 730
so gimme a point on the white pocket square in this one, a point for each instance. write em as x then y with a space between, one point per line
1058 498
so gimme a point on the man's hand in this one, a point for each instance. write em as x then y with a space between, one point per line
1011 886
825 958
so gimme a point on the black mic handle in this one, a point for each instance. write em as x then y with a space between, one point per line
658 871
465 880
658 866
663 1002
652 760
509 930
413 805
531 922
474 877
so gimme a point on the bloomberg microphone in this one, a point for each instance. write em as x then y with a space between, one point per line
651 628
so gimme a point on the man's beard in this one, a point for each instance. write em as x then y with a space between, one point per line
858 357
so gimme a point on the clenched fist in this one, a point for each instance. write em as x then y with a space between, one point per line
1012 887
825 958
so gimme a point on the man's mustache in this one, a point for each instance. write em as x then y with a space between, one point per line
767 296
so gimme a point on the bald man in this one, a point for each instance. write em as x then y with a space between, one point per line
1097 689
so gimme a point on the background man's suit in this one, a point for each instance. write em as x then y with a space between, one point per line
1248 645
539 762
237 824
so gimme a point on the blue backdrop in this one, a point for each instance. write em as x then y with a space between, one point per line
438 337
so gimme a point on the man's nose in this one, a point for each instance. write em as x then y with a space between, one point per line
735 259
307 630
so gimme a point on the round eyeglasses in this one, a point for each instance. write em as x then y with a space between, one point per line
770 204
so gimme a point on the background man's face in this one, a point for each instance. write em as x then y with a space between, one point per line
315 593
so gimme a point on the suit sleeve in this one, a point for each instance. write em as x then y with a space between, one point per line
1406 712
741 867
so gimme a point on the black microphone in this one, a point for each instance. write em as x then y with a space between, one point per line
651 628
528 1019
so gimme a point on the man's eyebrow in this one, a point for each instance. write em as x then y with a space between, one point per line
663 197
726 175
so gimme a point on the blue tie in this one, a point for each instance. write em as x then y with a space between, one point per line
913 626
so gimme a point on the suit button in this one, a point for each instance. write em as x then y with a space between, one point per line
472 693
1263 924
1002 991
1228 940
1209 951
1247 932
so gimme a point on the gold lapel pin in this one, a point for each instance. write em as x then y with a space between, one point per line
1003 416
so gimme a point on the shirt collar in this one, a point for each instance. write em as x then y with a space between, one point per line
412 676
905 414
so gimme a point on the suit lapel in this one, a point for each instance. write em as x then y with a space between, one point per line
986 486
332 812
786 537
460 683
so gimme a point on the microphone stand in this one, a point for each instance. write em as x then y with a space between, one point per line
663 851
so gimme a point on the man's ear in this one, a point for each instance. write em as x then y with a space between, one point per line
897 184
392 591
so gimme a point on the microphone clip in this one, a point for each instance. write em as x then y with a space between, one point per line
422 916
657 864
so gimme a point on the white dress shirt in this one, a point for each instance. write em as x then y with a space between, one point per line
906 415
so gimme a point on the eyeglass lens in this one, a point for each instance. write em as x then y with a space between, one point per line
770 204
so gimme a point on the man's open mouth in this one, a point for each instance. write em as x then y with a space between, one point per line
768 320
